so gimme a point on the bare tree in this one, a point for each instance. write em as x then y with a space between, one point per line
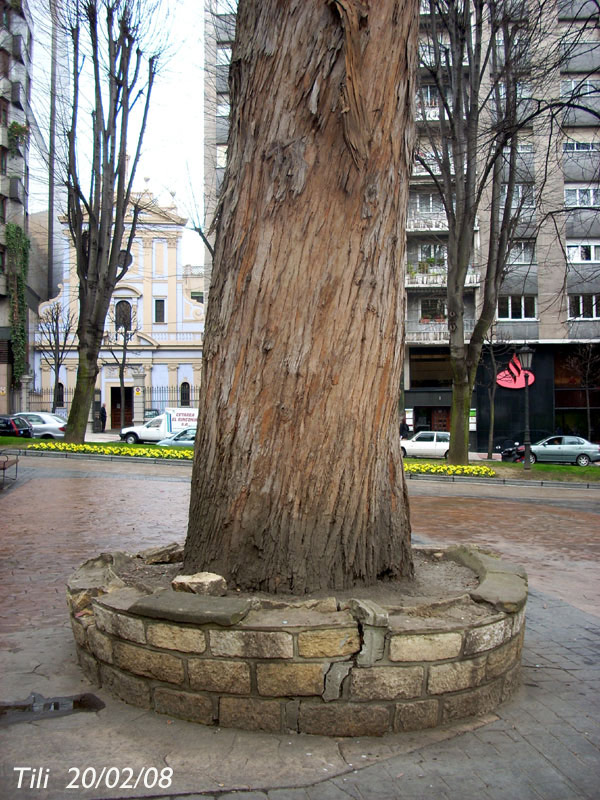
56 331
297 481
110 36
122 329
488 69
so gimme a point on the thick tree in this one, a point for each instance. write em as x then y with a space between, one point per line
298 482
109 35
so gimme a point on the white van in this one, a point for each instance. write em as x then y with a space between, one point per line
171 421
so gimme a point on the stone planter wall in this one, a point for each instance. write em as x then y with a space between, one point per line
361 670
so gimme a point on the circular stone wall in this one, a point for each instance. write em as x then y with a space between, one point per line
348 667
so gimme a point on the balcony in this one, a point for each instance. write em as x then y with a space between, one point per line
426 222
17 190
427 332
425 274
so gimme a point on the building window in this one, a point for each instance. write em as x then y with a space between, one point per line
159 310
221 156
60 395
433 309
3 112
515 306
426 203
223 105
587 196
3 160
123 315
198 297
184 394
522 252
585 87
432 253
2 259
523 195
223 56
4 64
584 306
583 252
2 209
572 147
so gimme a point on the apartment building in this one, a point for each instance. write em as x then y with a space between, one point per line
16 122
550 297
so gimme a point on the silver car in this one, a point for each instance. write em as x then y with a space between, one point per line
45 425
563 449
184 438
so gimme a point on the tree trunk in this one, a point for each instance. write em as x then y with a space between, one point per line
297 483
87 372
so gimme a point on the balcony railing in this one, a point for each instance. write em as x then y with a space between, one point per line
434 275
433 331
423 221
179 336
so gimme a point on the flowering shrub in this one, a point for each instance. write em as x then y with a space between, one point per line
449 469
174 453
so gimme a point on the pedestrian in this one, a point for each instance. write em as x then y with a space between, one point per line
404 429
103 416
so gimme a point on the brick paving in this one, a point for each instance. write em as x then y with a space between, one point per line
543 744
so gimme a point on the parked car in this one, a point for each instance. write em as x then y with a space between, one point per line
562 449
507 445
45 425
426 444
184 438
15 425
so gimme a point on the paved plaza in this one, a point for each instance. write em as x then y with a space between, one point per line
543 744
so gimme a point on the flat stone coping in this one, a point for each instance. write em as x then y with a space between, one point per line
191 608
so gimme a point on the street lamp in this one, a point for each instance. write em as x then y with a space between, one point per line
526 357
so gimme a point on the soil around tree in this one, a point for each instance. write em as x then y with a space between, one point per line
437 581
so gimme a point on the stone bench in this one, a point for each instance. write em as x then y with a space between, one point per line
6 462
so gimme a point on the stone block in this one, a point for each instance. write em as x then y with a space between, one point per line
176 637
416 715
518 621
324 605
336 674
506 592
282 680
252 644
328 643
456 676
206 583
343 719
227 677
89 666
119 625
469 704
277 619
184 705
373 645
135 691
502 659
386 683
512 681
487 637
100 644
192 608
426 647
79 632
250 714
369 613
162 666
167 554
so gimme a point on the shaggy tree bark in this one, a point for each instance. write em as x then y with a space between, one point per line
298 482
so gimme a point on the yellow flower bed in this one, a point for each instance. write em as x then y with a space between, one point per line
448 469
187 454
176 453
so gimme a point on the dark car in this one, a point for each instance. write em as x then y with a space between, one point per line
507 445
15 425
